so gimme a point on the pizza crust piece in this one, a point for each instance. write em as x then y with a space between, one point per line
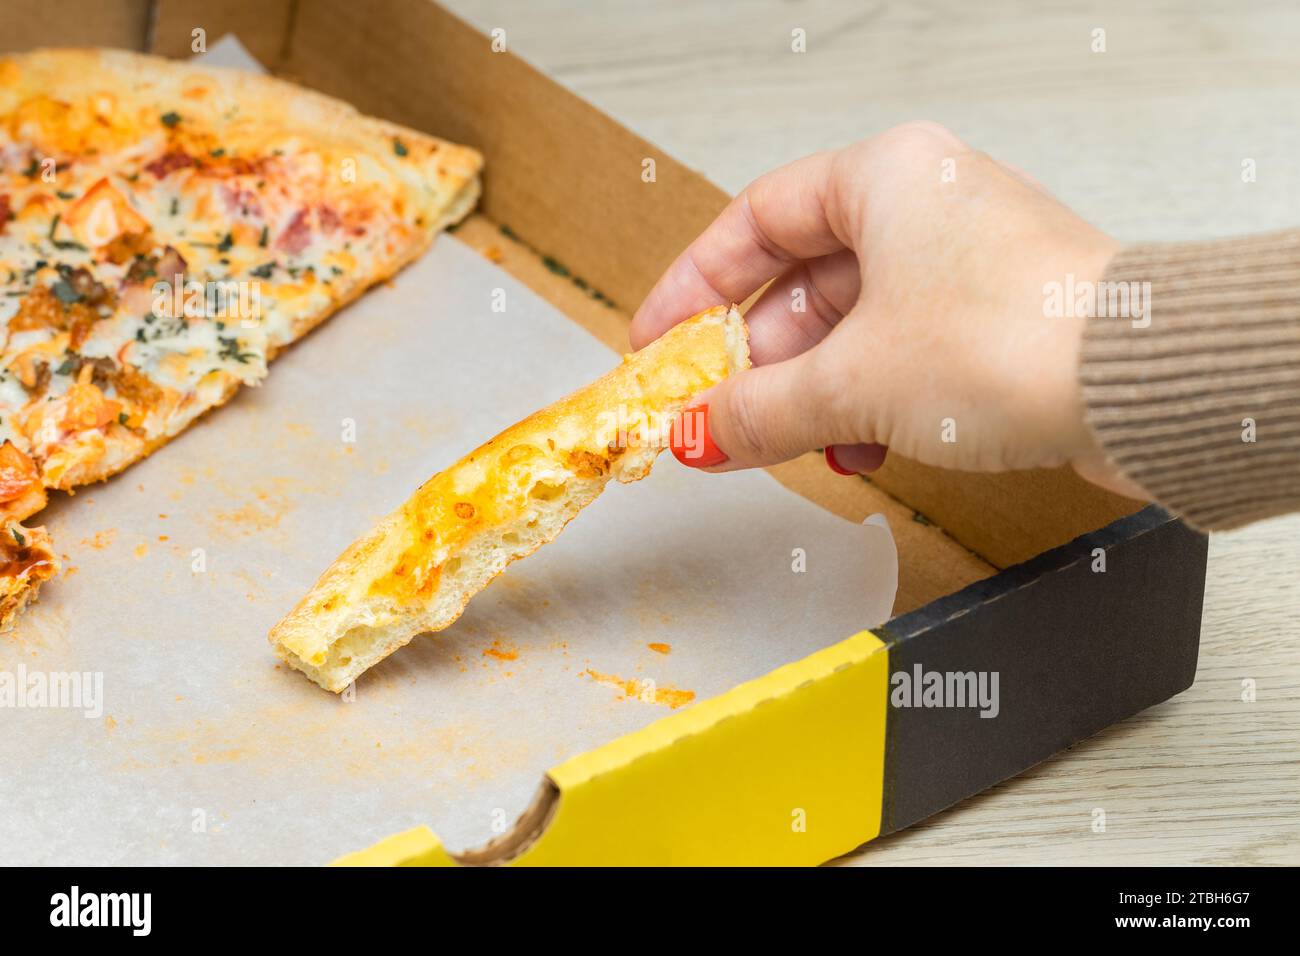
416 571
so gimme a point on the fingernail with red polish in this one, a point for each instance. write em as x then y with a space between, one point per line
691 442
835 466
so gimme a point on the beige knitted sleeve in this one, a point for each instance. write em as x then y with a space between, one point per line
1190 374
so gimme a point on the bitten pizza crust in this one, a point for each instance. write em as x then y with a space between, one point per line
418 569
166 228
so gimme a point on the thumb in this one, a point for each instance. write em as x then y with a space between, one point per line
760 416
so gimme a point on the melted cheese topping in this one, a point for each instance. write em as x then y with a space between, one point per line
503 481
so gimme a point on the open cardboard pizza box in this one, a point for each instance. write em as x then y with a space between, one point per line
1086 606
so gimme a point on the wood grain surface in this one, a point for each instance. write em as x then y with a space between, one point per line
1147 140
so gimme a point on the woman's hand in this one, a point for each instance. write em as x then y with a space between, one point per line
907 312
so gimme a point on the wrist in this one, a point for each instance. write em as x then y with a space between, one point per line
1088 457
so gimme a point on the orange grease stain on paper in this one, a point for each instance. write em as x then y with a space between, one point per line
501 652
314 738
254 586
188 478
141 550
101 540
261 515
661 648
256 509
265 506
301 429
671 697
220 756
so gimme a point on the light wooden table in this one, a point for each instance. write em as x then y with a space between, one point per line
1147 140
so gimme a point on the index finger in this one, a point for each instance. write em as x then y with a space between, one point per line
780 218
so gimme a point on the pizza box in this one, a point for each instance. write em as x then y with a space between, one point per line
1074 608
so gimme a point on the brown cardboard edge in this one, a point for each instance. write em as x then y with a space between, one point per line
263 26
116 23
525 831
1007 517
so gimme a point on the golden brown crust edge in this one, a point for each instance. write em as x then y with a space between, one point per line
272 101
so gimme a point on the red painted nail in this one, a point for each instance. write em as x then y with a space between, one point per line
691 442
835 466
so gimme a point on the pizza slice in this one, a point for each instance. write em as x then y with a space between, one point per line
167 228
418 569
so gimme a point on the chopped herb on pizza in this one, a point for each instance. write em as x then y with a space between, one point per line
166 229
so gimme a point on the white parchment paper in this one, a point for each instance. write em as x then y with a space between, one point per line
203 749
